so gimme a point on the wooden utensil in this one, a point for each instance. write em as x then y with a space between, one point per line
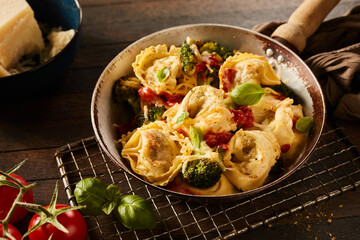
303 23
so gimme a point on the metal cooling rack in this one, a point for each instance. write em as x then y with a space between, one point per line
333 168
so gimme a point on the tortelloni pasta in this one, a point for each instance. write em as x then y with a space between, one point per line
277 116
246 68
221 188
156 152
158 58
250 157
214 139
207 110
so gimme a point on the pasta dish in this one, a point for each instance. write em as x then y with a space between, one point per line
205 119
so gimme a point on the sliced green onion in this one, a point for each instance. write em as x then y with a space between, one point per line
163 74
304 124
182 117
196 136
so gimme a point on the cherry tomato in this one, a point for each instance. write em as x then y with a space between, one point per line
12 230
7 197
213 139
72 220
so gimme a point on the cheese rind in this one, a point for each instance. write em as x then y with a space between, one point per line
19 32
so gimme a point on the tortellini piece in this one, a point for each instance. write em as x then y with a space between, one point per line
277 116
296 147
282 125
156 152
222 187
206 108
155 59
246 68
265 108
250 157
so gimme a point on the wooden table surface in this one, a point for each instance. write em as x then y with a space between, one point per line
34 128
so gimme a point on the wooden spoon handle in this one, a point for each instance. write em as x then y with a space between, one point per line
304 22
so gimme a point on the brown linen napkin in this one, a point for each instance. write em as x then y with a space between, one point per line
333 54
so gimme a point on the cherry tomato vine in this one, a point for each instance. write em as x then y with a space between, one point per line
45 215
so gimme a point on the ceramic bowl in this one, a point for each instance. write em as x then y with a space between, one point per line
66 14
297 75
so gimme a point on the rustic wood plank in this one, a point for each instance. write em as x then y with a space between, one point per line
34 128
46 134
40 164
328 220
134 20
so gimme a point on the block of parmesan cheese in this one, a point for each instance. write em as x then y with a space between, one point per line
19 32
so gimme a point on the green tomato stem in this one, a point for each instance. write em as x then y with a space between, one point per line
7 175
16 167
23 189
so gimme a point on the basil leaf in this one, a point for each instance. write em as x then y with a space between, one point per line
112 192
91 192
108 207
163 74
304 124
196 136
182 117
112 196
134 212
247 94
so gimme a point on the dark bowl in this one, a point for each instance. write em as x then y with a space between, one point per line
55 13
300 79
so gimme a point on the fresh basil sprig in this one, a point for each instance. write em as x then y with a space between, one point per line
134 212
182 117
304 124
112 195
163 74
247 94
91 192
99 198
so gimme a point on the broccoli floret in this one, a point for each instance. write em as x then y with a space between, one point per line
188 59
201 173
214 47
285 91
154 113
125 90
210 78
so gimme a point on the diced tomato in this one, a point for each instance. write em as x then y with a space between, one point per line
228 79
146 94
213 139
182 132
129 126
243 117
207 60
294 120
285 148
213 61
179 186
164 98
200 67
280 97
170 99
